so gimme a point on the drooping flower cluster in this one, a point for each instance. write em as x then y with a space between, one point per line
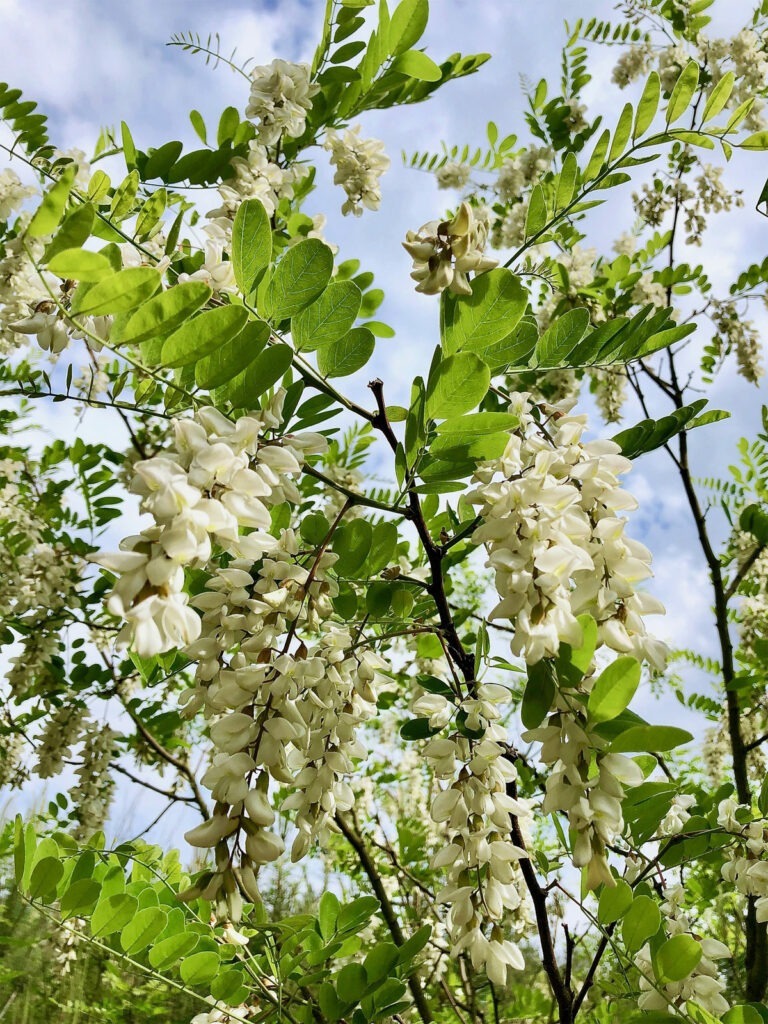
552 527
359 164
703 985
281 96
61 732
93 793
585 782
523 170
444 252
746 868
632 64
481 859
739 335
453 174
283 697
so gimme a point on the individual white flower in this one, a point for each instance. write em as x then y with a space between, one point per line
216 272
445 252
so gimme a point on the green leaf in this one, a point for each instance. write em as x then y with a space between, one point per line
348 354
351 983
380 961
476 424
142 929
758 141
641 921
561 337
352 542
676 958
539 693
80 897
266 369
203 334
457 385
48 214
80 265
417 65
327 914
718 97
46 875
129 147
597 159
328 318
162 314
170 950
74 231
199 125
113 914
536 216
650 738
478 321
753 519
409 19
622 133
683 91
614 902
200 968
119 293
566 183
648 105
300 276
150 213
233 356
125 194
614 689
744 1014
251 244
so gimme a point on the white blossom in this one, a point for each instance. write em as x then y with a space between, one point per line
359 164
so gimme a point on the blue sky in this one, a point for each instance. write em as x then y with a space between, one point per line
91 63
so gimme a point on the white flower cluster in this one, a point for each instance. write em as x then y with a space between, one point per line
556 541
281 96
61 732
12 192
452 174
38 582
444 252
753 605
359 164
255 177
65 941
93 792
747 865
632 64
481 860
283 690
703 986
585 782
739 335
523 170
646 291
609 385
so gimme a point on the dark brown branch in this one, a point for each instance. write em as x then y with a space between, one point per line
387 910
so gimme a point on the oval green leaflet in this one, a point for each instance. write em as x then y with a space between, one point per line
203 334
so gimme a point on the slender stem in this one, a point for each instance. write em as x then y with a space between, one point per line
355 840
